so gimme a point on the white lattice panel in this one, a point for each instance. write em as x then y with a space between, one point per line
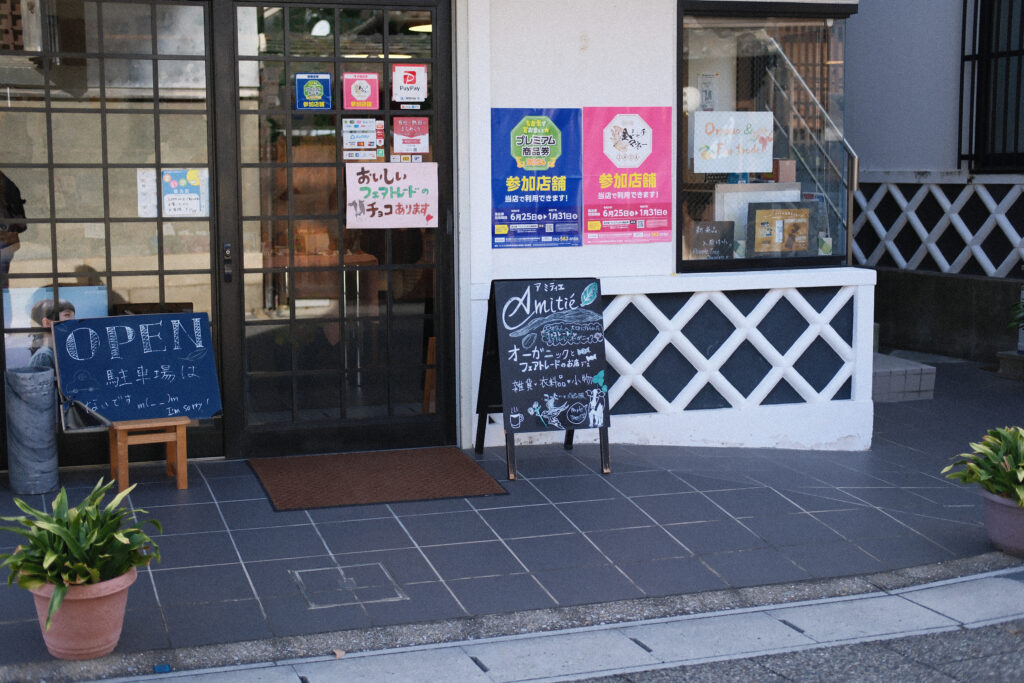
928 236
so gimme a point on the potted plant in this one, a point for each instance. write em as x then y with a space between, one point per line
997 463
79 563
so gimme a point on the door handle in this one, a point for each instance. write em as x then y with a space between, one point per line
226 257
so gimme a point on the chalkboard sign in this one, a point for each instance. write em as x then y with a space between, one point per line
708 240
550 340
136 367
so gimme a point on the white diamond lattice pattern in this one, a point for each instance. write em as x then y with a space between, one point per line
709 370
929 236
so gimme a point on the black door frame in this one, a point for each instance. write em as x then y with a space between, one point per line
237 437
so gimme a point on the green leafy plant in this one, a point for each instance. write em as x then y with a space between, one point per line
85 544
1017 315
997 463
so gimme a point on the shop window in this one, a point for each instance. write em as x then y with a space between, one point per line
991 97
764 167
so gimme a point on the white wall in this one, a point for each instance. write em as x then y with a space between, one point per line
903 84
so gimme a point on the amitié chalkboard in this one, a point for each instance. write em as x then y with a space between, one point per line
550 337
135 367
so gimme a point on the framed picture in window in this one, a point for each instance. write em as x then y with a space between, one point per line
784 229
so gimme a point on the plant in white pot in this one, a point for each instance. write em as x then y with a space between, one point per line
78 563
997 464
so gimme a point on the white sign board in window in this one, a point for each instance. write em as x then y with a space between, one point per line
732 142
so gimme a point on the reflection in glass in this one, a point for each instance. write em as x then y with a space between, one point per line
412 285
78 192
129 79
407 392
30 129
314 189
76 138
267 348
182 79
360 33
81 243
320 397
408 39
127 28
135 289
31 250
273 90
136 246
186 244
183 138
180 30
269 400
311 32
252 244
314 138
316 238
130 138
366 394
189 289
34 184
318 346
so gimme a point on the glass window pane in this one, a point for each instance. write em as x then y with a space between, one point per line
317 238
34 185
410 35
181 80
183 139
273 90
20 81
81 244
269 400
75 81
320 398
314 191
127 28
136 289
126 184
412 286
186 245
76 138
249 138
78 192
314 139
180 30
360 33
311 32
30 129
366 394
26 253
248 35
133 246
318 346
263 191
130 139
129 80
190 289
252 243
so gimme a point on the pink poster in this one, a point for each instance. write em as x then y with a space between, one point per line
361 90
627 175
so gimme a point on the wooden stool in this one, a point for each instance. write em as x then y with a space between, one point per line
169 430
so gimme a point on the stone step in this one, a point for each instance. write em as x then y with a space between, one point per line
901 379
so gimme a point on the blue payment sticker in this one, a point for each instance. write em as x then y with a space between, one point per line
313 92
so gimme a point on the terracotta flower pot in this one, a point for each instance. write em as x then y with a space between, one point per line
88 623
1004 522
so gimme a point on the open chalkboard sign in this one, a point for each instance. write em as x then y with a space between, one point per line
136 367
544 349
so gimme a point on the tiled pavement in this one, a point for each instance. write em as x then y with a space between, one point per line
669 520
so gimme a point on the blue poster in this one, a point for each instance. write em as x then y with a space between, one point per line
536 178
313 92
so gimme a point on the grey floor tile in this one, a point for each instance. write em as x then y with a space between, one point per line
349 513
426 507
520 492
467 560
215 622
427 602
715 536
202 584
153 495
712 482
863 523
224 468
679 507
292 616
584 585
551 466
638 544
185 519
605 514
451 527
909 551
761 566
576 488
237 488
647 483
143 631
278 542
273 578
497 594
257 514
363 535
195 550
791 529
29 639
823 560
534 520
556 552
672 576
752 502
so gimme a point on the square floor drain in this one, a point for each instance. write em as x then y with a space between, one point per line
357 584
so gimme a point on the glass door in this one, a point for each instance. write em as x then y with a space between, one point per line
340 338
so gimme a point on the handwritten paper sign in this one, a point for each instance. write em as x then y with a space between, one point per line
135 367
708 240
732 142
389 195
550 337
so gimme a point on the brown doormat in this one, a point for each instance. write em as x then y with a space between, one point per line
316 481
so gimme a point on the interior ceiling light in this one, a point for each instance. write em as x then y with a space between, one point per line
422 28
321 28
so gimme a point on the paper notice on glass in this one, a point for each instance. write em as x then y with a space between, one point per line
389 195
145 184
732 142
412 135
